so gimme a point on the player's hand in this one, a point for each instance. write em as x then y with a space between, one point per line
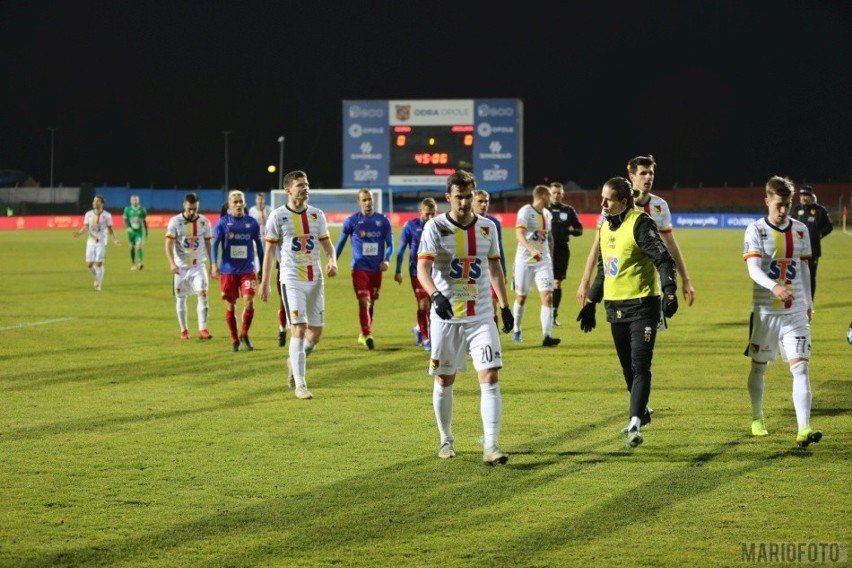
508 319
669 300
264 291
398 278
688 292
331 270
587 317
442 306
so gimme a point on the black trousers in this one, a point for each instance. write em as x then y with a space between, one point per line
813 264
634 344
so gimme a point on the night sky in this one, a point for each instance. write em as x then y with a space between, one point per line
139 92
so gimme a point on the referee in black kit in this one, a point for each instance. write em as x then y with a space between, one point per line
565 224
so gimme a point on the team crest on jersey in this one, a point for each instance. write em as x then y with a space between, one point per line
484 231
314 217
433 363
800 235
294 314
658 209
403 112
754 347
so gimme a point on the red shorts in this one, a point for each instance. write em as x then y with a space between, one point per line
419 292
236 285
366 284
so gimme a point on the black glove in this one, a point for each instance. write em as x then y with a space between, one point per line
508 319
587 317
669 304
442 306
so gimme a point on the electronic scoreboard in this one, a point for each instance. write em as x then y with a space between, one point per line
407 144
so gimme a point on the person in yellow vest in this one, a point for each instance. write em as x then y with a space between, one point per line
630 257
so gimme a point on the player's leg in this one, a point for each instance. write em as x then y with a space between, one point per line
444 356
485 351
763 341
523 279
297 301
181 288
248 286
544 283
796 345
200 285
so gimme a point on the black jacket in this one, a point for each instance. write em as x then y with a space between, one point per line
819 224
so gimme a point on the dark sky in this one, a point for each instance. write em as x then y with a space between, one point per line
139 92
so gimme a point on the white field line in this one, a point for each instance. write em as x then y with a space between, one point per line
34 323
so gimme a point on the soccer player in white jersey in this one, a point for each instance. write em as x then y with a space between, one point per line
641 171
777 250
98 223
188 238
533 263
298 231
458 262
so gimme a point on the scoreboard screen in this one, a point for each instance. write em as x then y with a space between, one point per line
404 144
431 150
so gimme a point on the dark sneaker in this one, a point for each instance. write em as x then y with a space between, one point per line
371 344
244 339
235 346
550 341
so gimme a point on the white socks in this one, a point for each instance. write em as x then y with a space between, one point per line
180 306
518 312
442 403
546 316
491 409
297 360
802 393
755 389
201 310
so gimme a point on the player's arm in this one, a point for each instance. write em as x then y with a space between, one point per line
214 257
388 248
826 226
502 252
591 261
424 275
170 254
400 255
114 236
341 242
521 234
145 222
331 255
207 246
498 281
266 268
648 238
677 255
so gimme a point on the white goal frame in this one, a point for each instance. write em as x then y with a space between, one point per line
330 200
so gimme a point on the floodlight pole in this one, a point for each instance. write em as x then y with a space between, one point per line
280 161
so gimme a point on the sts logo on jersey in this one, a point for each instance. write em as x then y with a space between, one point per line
466 268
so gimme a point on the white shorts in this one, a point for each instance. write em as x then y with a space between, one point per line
191 280
541 272
453 342
791 333
95 252
304 302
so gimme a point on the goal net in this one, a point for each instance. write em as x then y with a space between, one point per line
337 204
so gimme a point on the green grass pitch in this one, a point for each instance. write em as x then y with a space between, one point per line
120 445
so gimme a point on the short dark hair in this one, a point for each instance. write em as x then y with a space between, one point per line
646 161
290 177
190 198
780 186
461 178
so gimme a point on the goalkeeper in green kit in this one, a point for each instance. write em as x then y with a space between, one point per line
136 224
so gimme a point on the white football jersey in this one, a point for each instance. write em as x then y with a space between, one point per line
460 263
189 239
298 235
98 224
659 211
536 226
781 253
